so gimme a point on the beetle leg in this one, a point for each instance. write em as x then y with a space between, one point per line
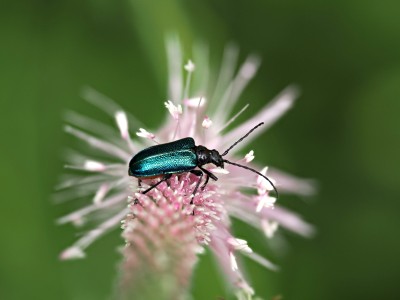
166 177
208 174
205 183
200 175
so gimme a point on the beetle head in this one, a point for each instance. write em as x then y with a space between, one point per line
216 158
206 156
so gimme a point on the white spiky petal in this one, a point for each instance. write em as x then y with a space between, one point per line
122 123
145 134
174 110
94 166
72 253
249 156
206 122
189 66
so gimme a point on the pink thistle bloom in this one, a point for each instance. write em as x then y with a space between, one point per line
168 227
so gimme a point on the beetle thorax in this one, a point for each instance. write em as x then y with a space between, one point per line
206 156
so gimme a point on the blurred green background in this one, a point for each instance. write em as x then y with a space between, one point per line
344 131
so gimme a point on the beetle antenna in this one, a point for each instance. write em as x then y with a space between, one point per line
258 173
241 139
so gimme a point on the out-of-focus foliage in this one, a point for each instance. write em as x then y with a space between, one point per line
344 131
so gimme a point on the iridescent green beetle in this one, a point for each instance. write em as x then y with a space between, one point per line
181 156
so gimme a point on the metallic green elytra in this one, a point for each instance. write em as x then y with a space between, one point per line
175 157
179 157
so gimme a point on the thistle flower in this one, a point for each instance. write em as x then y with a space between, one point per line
166 228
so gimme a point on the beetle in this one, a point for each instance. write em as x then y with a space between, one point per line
182 156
